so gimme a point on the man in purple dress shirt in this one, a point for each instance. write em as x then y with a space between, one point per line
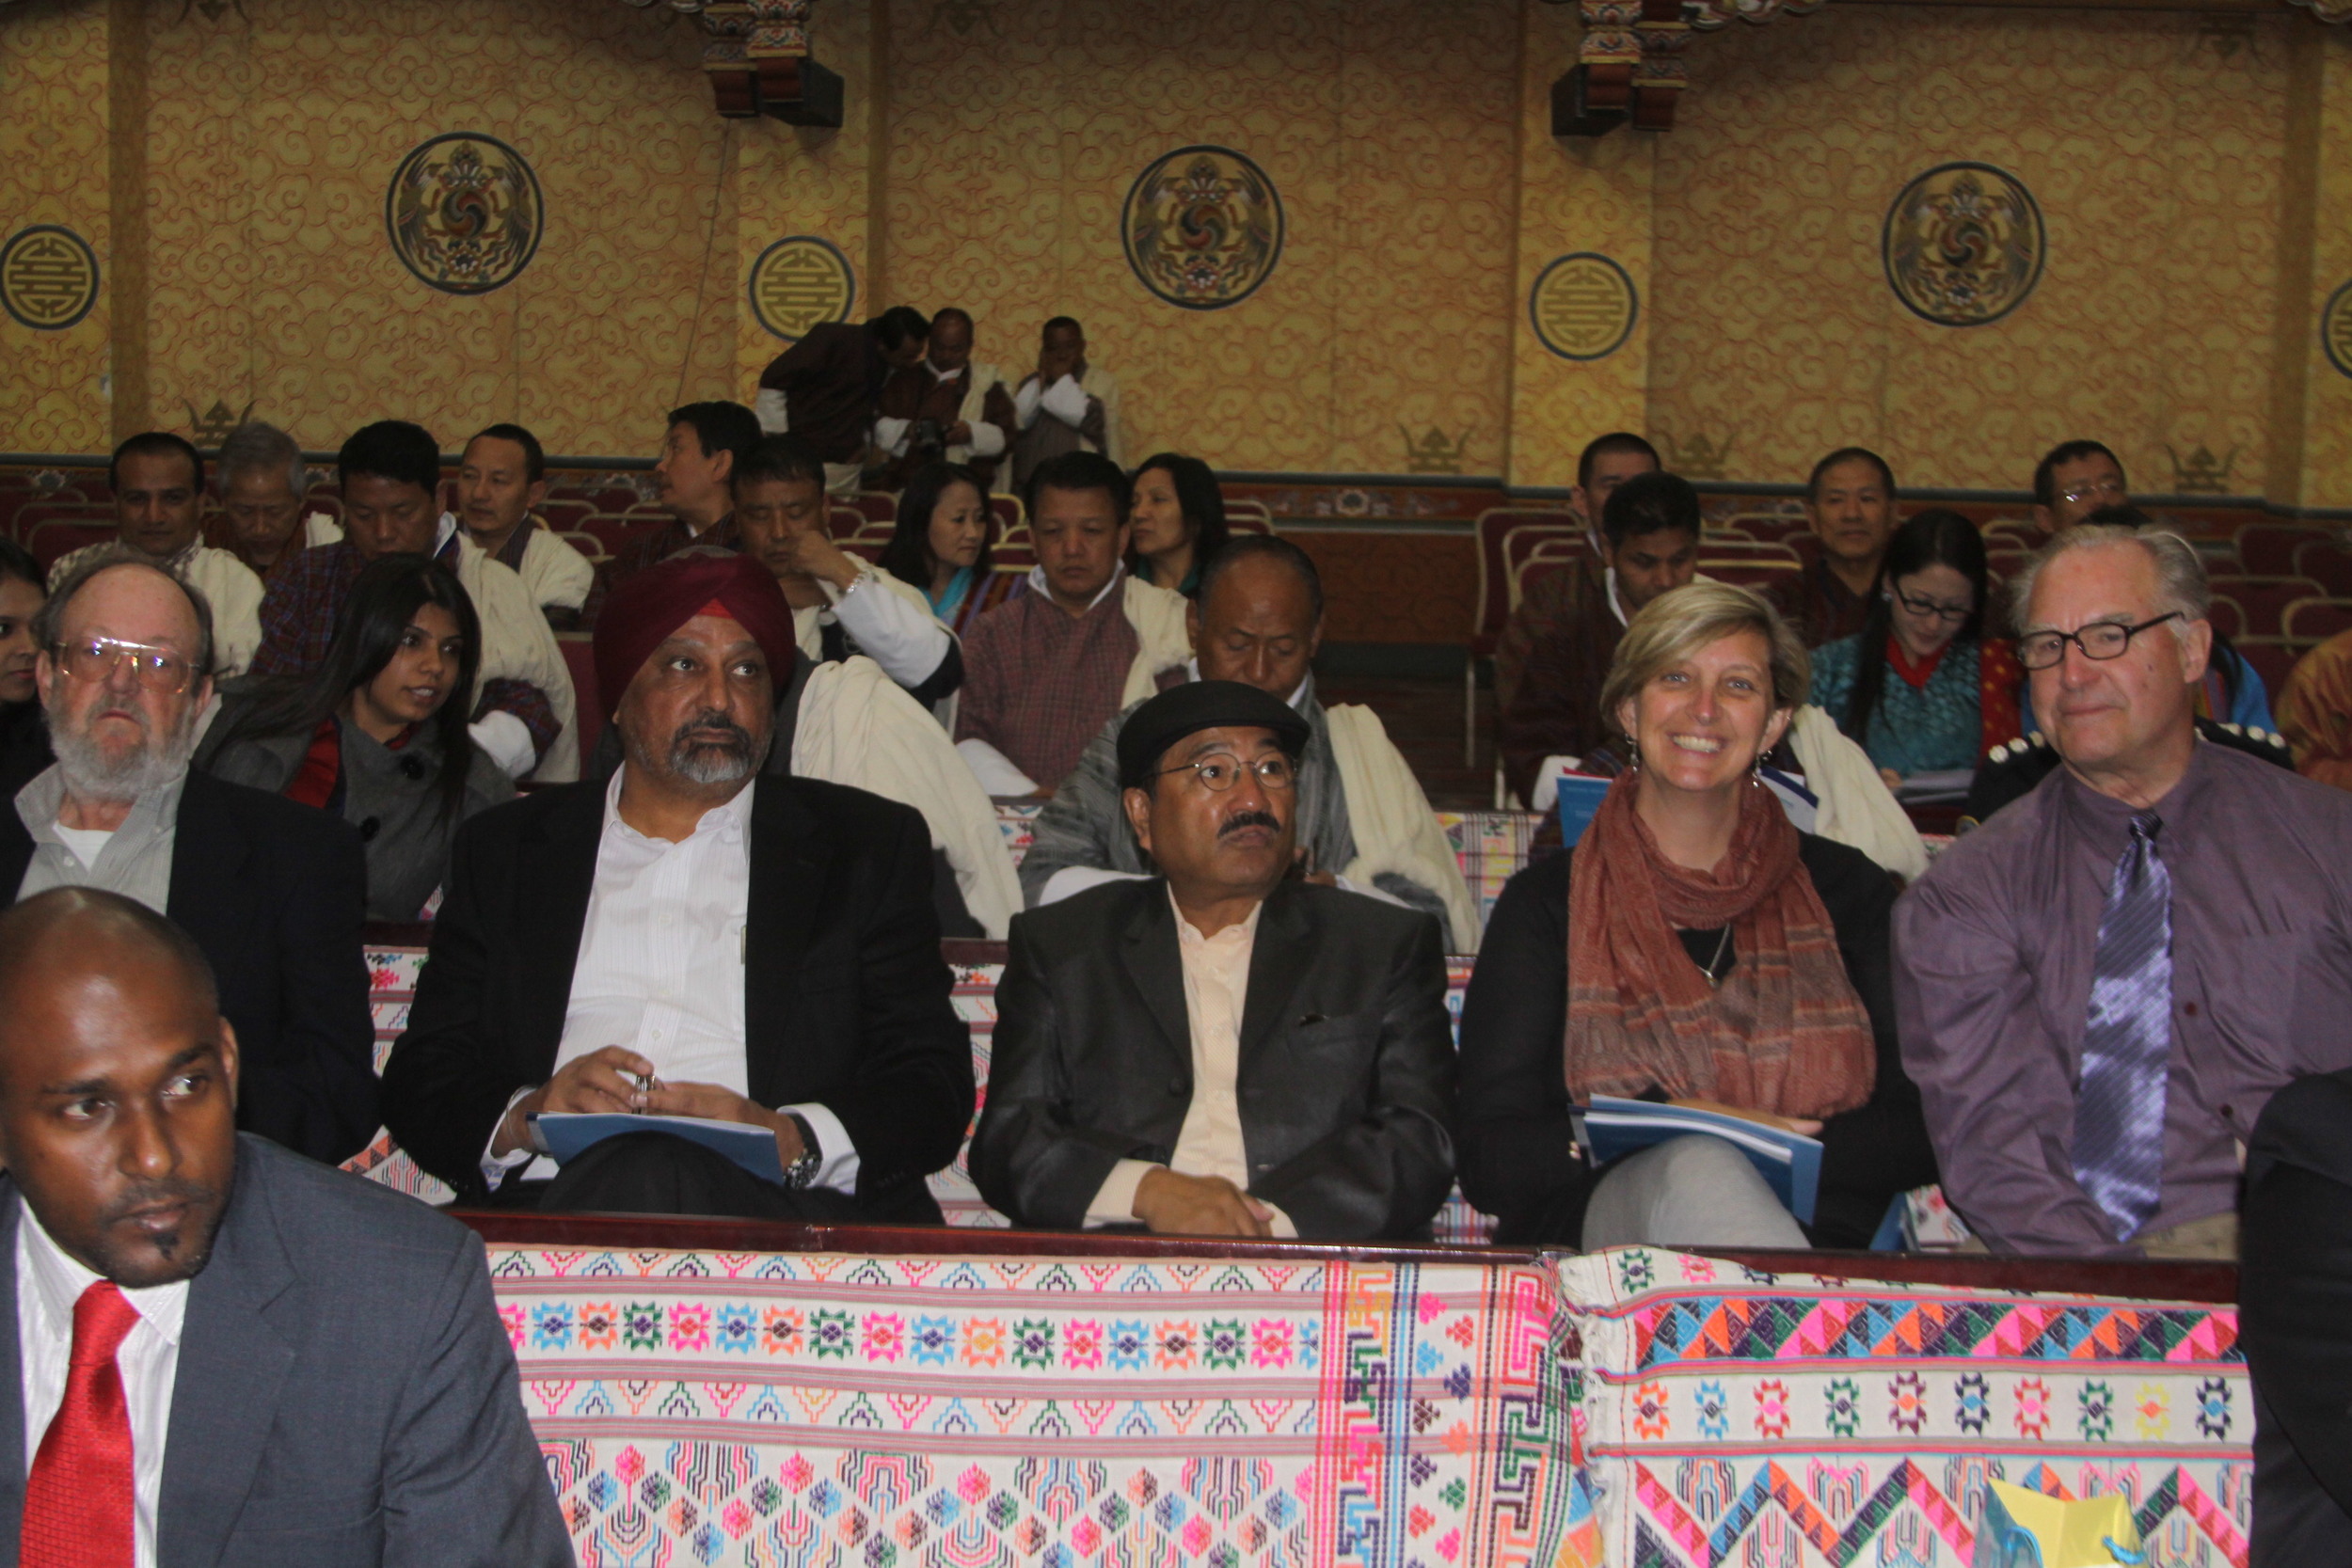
2100 988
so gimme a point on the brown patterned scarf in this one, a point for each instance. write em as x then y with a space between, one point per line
1784 1033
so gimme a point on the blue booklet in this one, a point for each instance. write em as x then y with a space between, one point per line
563 1135
1611 1129
1581 795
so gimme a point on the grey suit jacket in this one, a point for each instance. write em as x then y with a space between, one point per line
346 1394
1345 1081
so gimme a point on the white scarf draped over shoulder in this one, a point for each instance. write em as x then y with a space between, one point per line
1856 807
858 727
1163 641
1394 829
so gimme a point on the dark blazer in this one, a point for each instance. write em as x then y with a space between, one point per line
2295 1313
845 993
1519 1158
276 895
345 1392
1345 1080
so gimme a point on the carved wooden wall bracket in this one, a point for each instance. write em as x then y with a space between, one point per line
758 62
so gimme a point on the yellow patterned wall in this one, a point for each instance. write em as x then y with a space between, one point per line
53 124
1388 126
2154 142
273 127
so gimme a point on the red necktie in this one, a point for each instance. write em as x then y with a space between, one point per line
78 1499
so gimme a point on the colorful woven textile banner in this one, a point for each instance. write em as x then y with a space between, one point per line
1726 1416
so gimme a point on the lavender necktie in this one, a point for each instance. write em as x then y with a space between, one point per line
2128 1043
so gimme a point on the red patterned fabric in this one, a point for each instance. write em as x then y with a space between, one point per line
78 1499
322 765
2002 681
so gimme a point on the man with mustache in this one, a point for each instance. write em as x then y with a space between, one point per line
272 891
193 1383
1225 1049
158 485
694 938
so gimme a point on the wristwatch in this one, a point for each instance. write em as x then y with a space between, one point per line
803 1171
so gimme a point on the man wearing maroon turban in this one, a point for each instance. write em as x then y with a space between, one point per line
693 938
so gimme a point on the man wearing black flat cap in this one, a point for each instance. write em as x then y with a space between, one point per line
1223 1049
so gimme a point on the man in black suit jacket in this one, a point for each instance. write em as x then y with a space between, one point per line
1276 1065
318 1359
274 892
694 938
2295 1311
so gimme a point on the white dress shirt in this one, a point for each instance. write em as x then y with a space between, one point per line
1210 1143
660 968
48 1285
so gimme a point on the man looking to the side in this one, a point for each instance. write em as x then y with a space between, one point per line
1649 544
1045 669
1557 605
220 1351
1850 502
697 938
502 476
391 476
273 892
1223 1049
158 485
700 448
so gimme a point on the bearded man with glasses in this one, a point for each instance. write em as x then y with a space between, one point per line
1224 1049
273 892
2101 988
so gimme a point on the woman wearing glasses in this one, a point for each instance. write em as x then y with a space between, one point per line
1693 948
377 734
1921 687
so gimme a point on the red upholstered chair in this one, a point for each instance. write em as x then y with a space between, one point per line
2264 599
57 537
2328 562
1008 513
2307 623
1724 552
2267 549
873 505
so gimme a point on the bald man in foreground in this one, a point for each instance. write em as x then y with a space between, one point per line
223 1353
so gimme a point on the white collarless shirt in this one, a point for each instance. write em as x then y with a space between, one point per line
661 965
48 1284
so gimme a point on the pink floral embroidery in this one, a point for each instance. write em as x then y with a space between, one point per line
1082 1345
885 1335
689 1326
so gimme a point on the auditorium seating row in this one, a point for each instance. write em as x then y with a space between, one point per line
731 1394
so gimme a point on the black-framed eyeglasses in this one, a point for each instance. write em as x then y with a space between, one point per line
1220 771
1926 608
2040 650
93 658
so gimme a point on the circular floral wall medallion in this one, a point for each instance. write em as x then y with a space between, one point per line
464 213
2335 329
1202 227
1964 245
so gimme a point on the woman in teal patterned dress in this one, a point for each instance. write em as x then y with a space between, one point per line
1934 692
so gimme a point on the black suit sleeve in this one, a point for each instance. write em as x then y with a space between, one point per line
1881 1147
1519 1159
2294 1298
315 1091
1385 1174
444 1088
1029 1159
908 1104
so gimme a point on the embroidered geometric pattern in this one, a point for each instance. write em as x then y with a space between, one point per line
1727 1415
828 1409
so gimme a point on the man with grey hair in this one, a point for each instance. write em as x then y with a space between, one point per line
2100 988
261 479
158 483
273 892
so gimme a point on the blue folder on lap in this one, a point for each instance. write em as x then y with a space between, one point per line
564 1136
1610 1128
